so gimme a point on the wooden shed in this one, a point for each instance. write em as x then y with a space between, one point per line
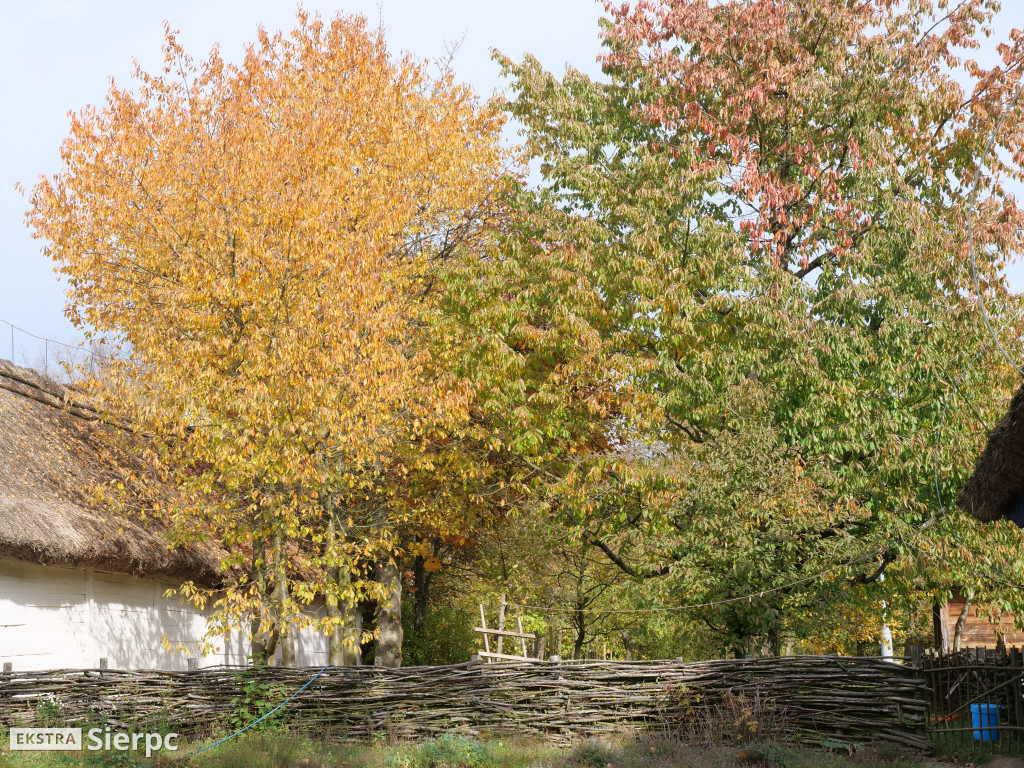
994 491
979 631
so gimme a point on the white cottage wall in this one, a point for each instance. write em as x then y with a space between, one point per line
44 617
70 618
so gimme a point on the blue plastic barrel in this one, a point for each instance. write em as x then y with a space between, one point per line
985 722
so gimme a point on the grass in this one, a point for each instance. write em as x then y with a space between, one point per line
961 749
290 750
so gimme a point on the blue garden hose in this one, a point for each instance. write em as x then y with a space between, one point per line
262 718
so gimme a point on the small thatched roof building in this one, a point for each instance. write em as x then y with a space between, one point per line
993 490
83 584
53 450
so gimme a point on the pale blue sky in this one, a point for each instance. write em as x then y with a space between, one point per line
59 54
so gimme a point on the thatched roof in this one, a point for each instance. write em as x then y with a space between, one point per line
998 477
53 452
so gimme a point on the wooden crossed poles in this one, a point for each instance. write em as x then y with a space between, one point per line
501 633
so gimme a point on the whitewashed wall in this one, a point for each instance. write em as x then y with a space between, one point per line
70 618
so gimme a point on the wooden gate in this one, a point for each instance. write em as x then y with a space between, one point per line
976 700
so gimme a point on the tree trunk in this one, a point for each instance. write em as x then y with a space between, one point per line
540 647
389 617
579 622
285 634
345 610
288 656
627 645
501 623
367 610
421 583
909 642
354 633
752 645
258 639
336 640
332 598
940 625
961 622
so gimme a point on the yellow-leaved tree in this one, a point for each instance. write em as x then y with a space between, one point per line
263 241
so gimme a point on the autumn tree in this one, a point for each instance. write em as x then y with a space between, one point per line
755 231
263 239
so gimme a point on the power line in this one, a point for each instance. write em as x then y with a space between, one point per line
47 341
970 227
948 398
711 604
972 202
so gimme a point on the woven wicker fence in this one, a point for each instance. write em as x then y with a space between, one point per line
854 699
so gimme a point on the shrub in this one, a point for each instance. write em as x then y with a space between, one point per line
49 713
257 700
447 637
766 754
592 754
450 750
733 718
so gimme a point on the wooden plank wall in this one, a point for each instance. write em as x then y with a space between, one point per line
979 631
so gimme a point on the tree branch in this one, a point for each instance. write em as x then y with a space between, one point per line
887 558
623 565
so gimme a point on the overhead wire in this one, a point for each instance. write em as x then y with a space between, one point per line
945 407
972 202
970 226
49 340
46 345
813 577
749 597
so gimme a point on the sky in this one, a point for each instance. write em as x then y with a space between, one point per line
59 55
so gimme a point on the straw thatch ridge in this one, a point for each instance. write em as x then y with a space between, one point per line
998 477
54 448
